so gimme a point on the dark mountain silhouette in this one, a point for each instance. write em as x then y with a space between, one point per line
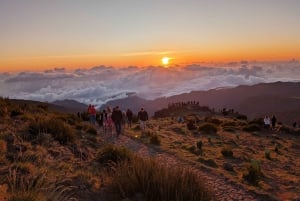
71 105
280 98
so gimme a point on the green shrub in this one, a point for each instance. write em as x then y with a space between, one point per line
110 153
253 173
227 152
208 128
252 128
155 181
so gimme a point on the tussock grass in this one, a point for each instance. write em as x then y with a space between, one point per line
208 128
59 130
252 127
35 188
157 182
112 154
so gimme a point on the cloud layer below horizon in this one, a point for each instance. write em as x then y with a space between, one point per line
101 84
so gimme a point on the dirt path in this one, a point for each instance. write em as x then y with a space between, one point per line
221 187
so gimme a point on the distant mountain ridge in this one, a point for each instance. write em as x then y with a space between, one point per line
278 98
71 105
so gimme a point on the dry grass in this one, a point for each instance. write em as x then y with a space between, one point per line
157 182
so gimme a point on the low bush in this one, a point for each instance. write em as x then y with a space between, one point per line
91 130
252 128
242 117
268 154
229 129
227 152
257 121
208 162
154 139
208 128
253 174
213 120
59 130
110 153
154 181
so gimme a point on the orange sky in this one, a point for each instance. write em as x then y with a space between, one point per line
77 34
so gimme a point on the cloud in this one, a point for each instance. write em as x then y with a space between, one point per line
103 83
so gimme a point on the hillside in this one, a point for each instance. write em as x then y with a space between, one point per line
49 155
279 98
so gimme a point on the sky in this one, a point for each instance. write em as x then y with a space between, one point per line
77 34
99 50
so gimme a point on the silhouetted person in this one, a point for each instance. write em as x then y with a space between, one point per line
117 119
129 116
295 124
274 120
143 118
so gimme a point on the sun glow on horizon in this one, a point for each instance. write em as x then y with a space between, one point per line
165 61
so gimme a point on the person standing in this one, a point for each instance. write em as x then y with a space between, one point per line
143 118
93 114
117 119
274 120
267 122
129 116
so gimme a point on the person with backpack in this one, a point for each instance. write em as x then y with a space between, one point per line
143 118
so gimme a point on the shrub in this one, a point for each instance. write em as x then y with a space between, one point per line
227 152
285 129
111 153
155 139
252 127
199 145
208 162
57 128
253 173
229 129
229 124
268 154
91 130
213 120
2 146
208 128
258 121
242 117
155 181
35 188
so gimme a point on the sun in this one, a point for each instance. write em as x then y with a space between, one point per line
165 61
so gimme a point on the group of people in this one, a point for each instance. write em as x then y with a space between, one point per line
114 119
268 122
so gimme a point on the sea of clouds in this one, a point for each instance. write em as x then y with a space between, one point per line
100 84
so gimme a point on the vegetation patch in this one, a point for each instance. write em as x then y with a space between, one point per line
252 127
253 174
112 154
227 152
208 162
59 130
154 181
208 128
